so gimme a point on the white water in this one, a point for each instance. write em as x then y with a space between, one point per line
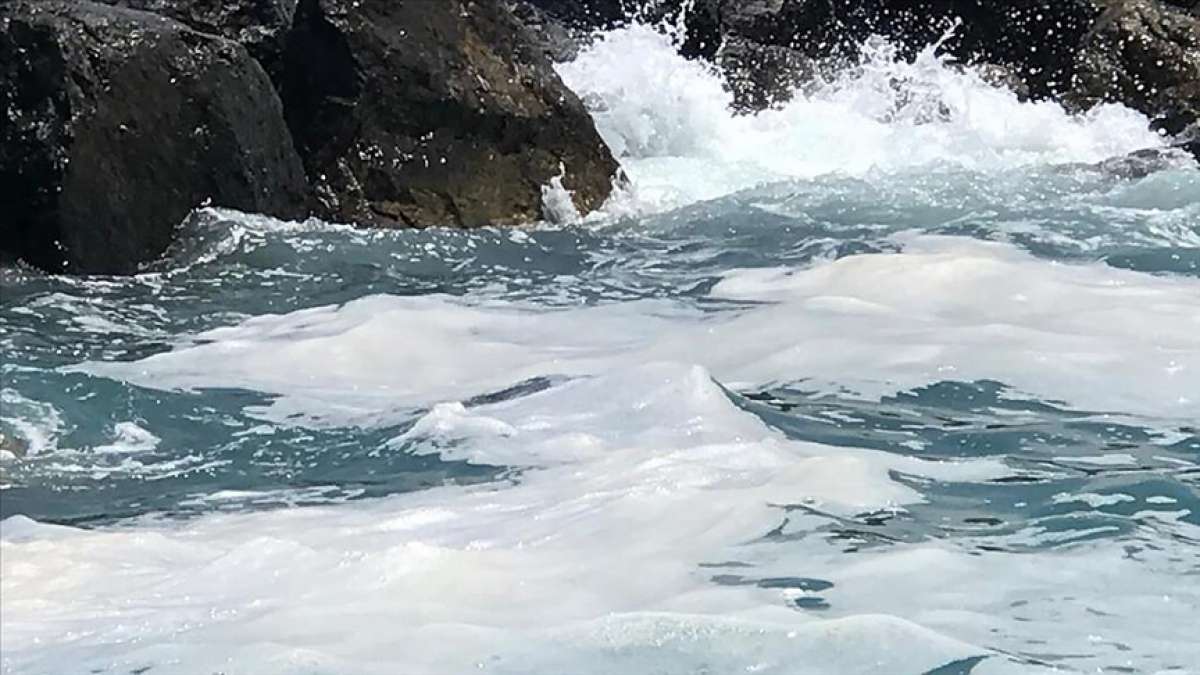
639 468
945 308
668 121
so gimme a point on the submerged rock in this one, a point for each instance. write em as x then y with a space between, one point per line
1142 163
115 123
418 113
13 445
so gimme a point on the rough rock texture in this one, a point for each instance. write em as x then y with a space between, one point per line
259 25
1146 55
115 123
556 37
588 14
762 75
412 113
1030 37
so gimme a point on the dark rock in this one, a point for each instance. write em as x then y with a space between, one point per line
1004 77
762 76
1191 6
1142 163
588 14
1145 55
412 113
696 17
1188 140
1142 53
1030 37
116 123
259 25
553 36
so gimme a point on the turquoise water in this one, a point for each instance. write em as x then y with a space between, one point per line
207 439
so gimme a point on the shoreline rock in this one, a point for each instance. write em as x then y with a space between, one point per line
1145 55
408 114
261 26
116 123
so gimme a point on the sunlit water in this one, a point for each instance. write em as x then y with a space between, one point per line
894 379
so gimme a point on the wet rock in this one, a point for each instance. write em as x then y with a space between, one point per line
558 40
1142 53
1188 140
115 123
1029 37
13 445
762 76
416 113
1191 6
1145 55
1142 163
259 25
1004 77
588 14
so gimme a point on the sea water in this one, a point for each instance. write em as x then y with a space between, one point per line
900 377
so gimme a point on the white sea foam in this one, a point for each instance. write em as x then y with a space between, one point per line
577 547
594 557
38 425
128 437
634 472
669 121
945 308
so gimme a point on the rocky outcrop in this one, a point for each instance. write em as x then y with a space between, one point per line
1146 55
117 119
261 26
587 14
115 123
417 113
556 37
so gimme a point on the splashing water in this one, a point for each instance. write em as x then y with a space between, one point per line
669 121
894 378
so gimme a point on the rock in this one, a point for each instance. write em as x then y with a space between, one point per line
13 445
115 123
762 76
1142 53
1004 77
259 25
1145 55
1188 140
412 113
587 14
1190 6
1142 163
557 40
1029 37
